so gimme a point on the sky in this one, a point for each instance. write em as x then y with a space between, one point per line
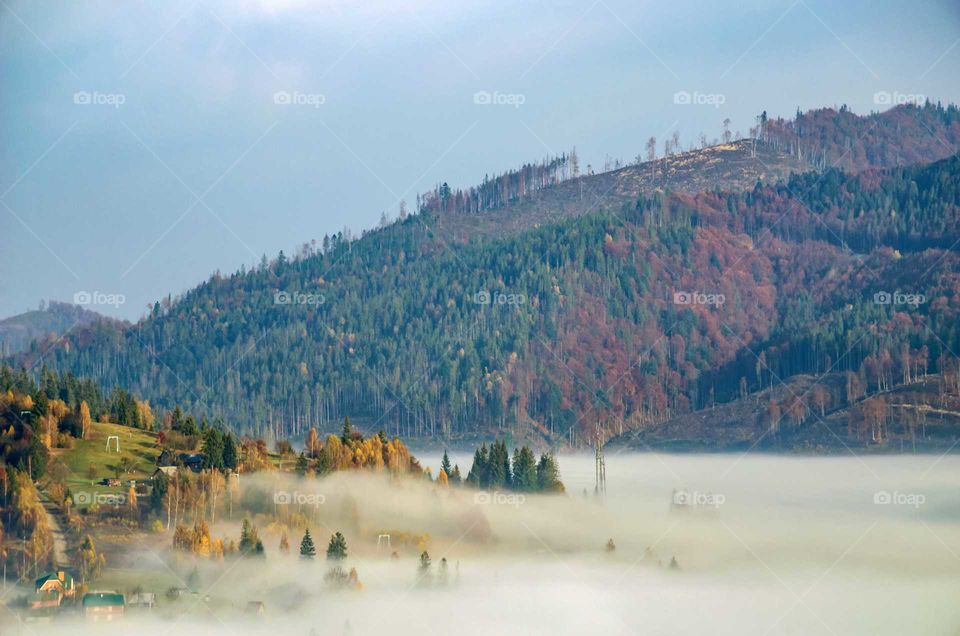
146 145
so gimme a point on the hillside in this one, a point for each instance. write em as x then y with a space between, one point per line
89 461
921 415
47 323
631 315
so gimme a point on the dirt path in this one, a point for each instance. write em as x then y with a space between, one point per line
60 556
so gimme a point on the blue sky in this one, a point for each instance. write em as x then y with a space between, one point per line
147 144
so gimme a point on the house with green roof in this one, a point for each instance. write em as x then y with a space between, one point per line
51 589
103 606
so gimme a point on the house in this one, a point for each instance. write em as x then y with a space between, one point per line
193 461
255 608
167 461
146 600
103 606
169 471
52 588
167 458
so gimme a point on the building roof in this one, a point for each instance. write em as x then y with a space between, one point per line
55 576
103 599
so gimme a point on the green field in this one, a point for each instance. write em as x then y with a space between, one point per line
137 445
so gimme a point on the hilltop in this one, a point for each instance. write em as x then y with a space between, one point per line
737 165
42 325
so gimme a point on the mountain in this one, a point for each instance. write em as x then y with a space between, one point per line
48 323
536 313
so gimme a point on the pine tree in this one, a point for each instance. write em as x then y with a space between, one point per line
307 549
337 549
347 431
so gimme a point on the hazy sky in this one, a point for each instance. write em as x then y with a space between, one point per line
147 144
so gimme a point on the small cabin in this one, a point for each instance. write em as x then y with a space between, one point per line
255 608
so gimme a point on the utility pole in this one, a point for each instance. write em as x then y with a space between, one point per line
600 486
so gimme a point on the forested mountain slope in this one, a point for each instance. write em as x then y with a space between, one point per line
611 316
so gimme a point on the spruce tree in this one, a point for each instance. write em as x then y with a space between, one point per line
548 475
445 464
337 549
524 470
307 549
229 452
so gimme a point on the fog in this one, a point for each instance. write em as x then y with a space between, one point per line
777 546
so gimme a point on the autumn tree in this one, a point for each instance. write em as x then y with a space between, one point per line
85 421
820 397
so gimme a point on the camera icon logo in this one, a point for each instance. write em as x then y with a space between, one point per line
281 97
482 297
482 98
82 498
882 497
682 98
882 98
482 498
82 298
282 497
81 97
882 298
682 298
281 298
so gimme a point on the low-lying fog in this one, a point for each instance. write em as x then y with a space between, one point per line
775 546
